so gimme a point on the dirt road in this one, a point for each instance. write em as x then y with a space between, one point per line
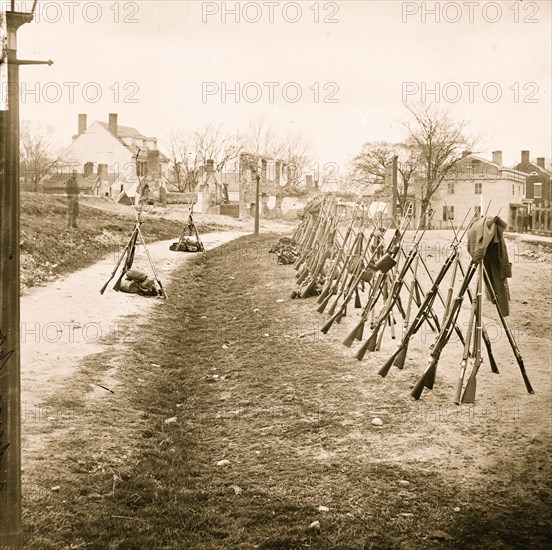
69 319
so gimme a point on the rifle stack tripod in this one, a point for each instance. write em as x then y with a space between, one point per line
127 258
128 255
347 256
189 240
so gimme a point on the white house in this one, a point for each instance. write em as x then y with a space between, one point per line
111 158
477 183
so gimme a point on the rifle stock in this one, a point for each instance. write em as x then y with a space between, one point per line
316 274
328 324
492 362
465 355
117 285
369 345
471 387
104 287
422 381
324 303
358 303
470 391
459 384
391 297
383 372
401 357
354 334
323 294
333 306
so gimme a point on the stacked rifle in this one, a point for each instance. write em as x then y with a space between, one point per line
347 257
316 243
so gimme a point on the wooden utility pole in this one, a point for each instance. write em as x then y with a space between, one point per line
394 182
258 178
10 357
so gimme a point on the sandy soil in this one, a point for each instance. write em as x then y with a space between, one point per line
518 421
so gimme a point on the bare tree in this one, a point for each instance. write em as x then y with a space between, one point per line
295 151
213 143
37 154
183 161
346 184
187 152
438 143
260 139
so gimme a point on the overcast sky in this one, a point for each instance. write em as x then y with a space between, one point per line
163 65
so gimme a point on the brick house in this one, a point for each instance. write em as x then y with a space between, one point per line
538 183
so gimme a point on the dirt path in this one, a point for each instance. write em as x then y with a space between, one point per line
69 319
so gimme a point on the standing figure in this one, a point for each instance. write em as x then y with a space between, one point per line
144 193
163 193
72 192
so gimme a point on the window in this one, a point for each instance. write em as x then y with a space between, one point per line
478 211
478 187
450 188
271 171
141 169
448 213
538 191
88 169
513 189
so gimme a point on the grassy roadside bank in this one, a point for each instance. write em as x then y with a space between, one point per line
49 249
231 370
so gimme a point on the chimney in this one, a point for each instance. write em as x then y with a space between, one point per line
102 172
309 182
540 162
524 157
497 157
82 124
243 164
113 123
210 167
263 170
278 172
